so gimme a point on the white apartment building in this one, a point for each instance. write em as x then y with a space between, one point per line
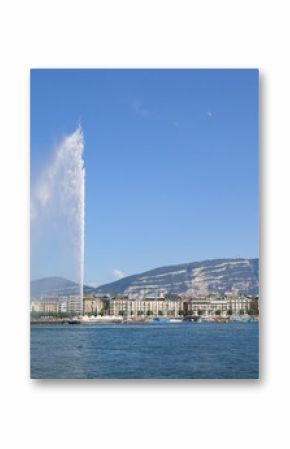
145 307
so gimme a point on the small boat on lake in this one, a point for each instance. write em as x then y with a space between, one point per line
158 320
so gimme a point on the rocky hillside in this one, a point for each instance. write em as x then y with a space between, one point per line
209 276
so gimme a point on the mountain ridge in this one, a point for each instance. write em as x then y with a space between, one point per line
196 278
55 285
202 277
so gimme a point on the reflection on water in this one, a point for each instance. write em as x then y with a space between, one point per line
168 351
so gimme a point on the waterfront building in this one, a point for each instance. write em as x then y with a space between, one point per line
93 305
169 305
156 306
75 305
61 304
236 305
148 306
50 305
224 306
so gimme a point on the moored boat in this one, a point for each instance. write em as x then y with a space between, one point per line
158 320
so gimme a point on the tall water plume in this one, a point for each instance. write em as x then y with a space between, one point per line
58 215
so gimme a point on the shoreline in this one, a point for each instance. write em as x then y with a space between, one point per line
139 322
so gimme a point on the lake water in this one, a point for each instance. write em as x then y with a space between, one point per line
148 351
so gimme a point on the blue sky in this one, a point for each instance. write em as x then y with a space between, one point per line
171 161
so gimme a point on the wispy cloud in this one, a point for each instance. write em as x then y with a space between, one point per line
140 109
209 114
91 284
118 274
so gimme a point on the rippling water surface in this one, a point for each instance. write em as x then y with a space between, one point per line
153 351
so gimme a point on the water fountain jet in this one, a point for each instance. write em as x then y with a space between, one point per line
58 212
